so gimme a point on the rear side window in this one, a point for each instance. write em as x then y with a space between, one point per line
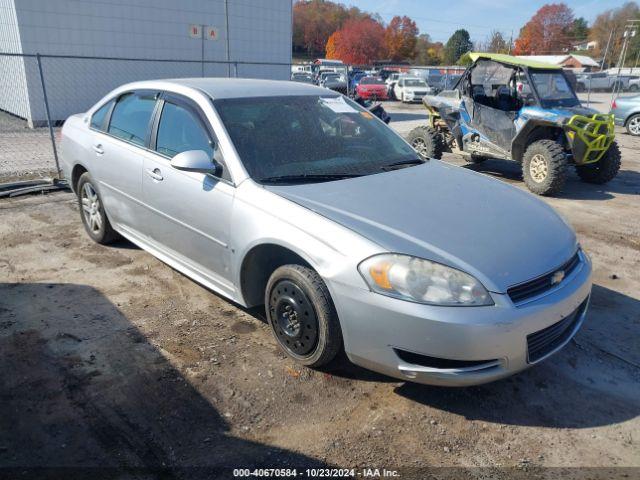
131 115
180 130
98 118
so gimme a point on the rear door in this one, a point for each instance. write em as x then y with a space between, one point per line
189 212
121 131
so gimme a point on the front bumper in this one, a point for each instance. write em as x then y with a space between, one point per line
483 343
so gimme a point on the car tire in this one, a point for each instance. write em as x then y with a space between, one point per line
634 88
604 169
580 88
94 218
427 142
633 125
544 167
302 316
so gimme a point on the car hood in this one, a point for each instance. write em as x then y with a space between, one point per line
448 214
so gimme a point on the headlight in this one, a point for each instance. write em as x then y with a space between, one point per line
422 281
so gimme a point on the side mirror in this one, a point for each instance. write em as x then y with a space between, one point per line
196 161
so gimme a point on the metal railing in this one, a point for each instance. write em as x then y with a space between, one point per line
38 92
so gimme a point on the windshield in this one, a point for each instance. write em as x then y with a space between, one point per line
415 83
553 90
309 135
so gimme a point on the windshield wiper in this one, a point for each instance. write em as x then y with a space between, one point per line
403 163
308 177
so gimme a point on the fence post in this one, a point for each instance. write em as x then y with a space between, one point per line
46 108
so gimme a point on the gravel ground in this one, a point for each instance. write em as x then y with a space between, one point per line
111 359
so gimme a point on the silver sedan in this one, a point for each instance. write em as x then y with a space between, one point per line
293 197
626 113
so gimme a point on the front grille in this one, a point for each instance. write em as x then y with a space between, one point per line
540 285
419 93
549 339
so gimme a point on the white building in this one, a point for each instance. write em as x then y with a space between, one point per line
238 31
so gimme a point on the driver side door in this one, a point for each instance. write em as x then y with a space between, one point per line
189 212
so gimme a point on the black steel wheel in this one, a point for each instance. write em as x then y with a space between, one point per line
294 318
302 316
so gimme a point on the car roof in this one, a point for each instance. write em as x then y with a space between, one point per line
218 88
515 61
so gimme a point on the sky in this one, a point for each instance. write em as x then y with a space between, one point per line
440 18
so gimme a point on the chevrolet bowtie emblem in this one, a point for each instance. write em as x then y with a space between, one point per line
557 277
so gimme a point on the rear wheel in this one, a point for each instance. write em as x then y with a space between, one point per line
427 142
633 88
94 218
604 169
633 125
474 159
302 315
544 167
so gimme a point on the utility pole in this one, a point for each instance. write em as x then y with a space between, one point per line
606 50
629 32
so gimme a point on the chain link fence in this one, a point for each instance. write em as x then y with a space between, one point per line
38 92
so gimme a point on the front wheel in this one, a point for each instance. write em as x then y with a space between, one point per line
604 169
427 142
302 315
94 217
544 167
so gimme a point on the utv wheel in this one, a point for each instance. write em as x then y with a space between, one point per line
604 169
94 218
633 125
427 142
474 159
302 315
544 167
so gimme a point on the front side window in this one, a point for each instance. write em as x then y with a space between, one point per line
131 115
291 136
98 118
180 130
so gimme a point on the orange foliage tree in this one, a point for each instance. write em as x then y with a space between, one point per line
358 42
547 32
400 38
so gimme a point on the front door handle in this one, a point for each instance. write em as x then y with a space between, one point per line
98 149
156 174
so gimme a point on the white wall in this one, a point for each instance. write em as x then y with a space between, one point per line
260 31
13 86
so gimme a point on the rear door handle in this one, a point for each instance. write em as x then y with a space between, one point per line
98 149
156 174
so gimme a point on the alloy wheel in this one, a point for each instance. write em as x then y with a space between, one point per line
91 208
420 147
634 126
538 168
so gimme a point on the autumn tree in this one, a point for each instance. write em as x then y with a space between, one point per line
458 44
315 20
427 52
547 32
610 24
400 38
358 42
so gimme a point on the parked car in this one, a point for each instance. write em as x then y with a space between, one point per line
372 88
302 77
334 81
626 113
287 195
601 81
355 78
411 89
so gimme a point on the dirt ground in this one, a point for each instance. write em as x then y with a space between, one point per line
111 359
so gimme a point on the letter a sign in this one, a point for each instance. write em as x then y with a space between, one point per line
211 33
